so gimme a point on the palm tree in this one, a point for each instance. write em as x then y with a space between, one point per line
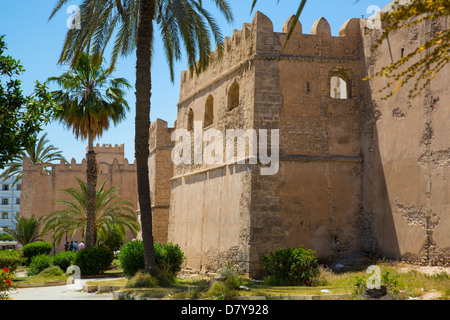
39 153
182 23
110 210
112 236
90 99
26 230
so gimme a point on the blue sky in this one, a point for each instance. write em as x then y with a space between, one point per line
37 43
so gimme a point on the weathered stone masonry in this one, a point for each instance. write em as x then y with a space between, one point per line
41 182
357 173
337 190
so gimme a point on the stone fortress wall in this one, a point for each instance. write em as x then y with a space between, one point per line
357 173
337 190
40 183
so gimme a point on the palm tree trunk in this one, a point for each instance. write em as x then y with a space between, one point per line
142 126
91 175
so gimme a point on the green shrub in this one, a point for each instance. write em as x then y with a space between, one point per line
93 261
169 258
64 259
221 291
225 288
11 259
230 277
142 280
39 263
36 248
291 266
51 272
131 258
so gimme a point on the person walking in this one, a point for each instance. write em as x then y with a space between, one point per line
75 245
66 246
80 246
71 246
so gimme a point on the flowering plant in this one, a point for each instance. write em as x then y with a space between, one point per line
5 283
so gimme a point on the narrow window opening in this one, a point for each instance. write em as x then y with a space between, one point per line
307 87
233 96
190 122
209 112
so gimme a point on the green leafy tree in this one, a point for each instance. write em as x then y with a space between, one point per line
110 210
38 152
26 230
90 99
21 117
182 24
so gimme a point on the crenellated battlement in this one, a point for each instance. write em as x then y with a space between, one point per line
42 183
107 156
258 40
107 153
109 148
160 135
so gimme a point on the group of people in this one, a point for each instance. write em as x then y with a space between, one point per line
74 246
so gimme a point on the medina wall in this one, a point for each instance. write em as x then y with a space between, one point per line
160 171
407 154
41 183
356 173
315 198
209 217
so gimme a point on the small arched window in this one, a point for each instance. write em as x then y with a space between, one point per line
209 111
339 88
190 120
233 96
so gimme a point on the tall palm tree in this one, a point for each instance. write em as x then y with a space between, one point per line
39 153
182 23
90 99
110 211
26 230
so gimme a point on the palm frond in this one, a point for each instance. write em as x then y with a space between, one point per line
110 210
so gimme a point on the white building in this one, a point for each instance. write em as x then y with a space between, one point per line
9 202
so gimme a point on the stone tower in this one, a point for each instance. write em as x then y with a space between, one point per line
307 90
356 173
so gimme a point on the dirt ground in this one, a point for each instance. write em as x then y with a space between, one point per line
431 270
426 270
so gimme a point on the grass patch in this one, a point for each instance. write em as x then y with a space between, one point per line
115 282
39 278
114 268
402 285
177 290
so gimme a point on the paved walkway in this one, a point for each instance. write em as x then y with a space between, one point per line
65 292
